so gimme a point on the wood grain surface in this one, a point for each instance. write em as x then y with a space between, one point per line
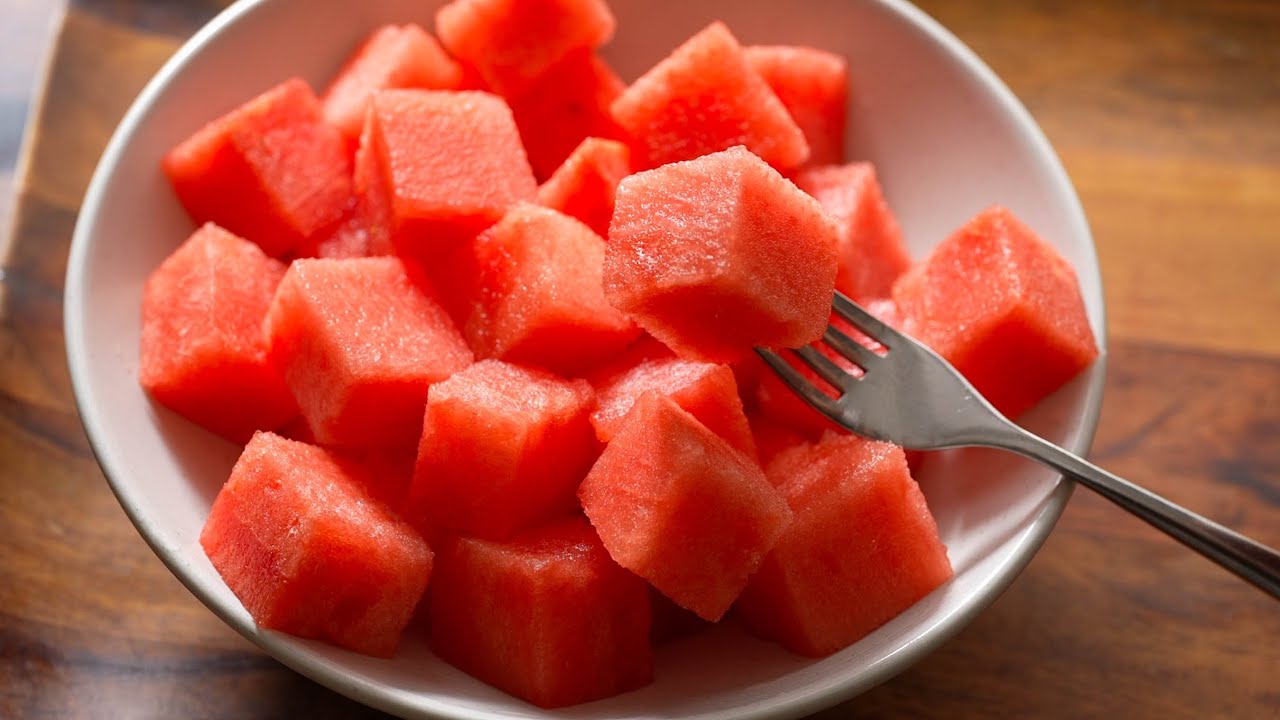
1167 116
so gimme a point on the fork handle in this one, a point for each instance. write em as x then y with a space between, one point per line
1251 560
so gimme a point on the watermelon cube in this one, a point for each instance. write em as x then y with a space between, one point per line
270 171
706 390
546 616
392 56
703 98
203 352
503 448
360 342
298 539
438 167
510 43
677 505
1003 307
870 250
567 104
813 86
862 548
585 185
721 254
540 299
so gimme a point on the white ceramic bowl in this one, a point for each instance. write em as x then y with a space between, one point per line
948 139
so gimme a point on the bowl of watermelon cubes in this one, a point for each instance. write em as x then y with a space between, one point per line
417 341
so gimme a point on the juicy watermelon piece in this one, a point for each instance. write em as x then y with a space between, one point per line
360 343
270 171
706 390
862 548
540 300
1003 307
203 352
718 255
566 105
298 539
503 448
439 167
776 400
869 248
813 85
704 98
510 43
584 186
546 616
677 505
393 56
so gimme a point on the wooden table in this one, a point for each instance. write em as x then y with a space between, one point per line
1167 115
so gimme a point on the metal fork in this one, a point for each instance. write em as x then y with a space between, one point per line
910 396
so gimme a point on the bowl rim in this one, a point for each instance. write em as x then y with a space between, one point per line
368 692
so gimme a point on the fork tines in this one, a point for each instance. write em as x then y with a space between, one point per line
855 315
807 390
836 339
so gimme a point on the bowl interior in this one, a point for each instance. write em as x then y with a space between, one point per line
948 140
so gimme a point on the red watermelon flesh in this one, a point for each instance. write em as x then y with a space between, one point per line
566 105
584 186
1003 307
503 448
814 87
704 98
718 255
644 349
393 56
388 475
706 390
360 342
862 548
540 300
348 239
365 227
270 171
680 507
298 539
203 352
746 371
772 437
296 429
776 400
511 43
370 217
546 616
438 167
670 621
870 248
